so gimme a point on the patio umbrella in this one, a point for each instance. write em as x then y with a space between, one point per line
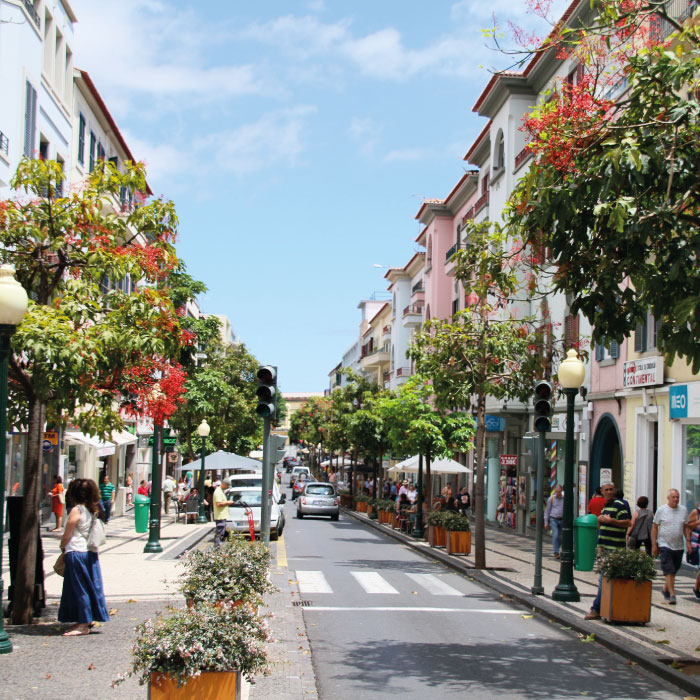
217 461
439 466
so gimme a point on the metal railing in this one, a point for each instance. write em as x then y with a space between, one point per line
417 287
403 371
386 330
413 309
680 10
481 202
29 7
522 157
453 250
4 144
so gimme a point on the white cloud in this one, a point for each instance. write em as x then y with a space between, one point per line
406 155
365 132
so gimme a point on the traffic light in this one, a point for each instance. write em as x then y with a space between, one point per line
543 406
267 391
277 447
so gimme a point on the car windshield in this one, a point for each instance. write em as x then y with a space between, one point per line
319 489
245 483
239 498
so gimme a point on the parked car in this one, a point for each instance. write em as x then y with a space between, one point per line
246 492
318 498
296 470
289 463
299 484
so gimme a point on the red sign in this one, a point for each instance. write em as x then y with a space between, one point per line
251 525
509 460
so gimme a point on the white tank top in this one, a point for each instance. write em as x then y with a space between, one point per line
78 542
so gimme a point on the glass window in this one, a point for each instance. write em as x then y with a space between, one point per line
690 494
319 490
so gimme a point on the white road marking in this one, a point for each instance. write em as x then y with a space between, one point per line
313 582
434 585
389 608
372 582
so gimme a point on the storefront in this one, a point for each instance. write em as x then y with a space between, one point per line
684 411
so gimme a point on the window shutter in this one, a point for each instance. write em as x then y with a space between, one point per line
571 330
640 333
614 349
30 121
657 331
599 352
81 140
92 150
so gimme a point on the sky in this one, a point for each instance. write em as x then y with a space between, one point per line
297 140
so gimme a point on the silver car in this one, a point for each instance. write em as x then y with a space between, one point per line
318 498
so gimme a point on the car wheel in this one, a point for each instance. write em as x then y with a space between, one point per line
274 535
335 517
300 515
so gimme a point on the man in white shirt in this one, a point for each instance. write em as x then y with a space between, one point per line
667 540
169 486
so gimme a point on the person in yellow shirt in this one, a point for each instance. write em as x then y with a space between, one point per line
220 510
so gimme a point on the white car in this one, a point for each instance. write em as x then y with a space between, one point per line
246 493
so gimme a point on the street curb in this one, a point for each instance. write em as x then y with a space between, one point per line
603 635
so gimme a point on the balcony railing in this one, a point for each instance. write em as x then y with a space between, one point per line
4 144
453 250
29 7
481 202
403 371
680 10
522 157
386 330
413 309
417 287
387 377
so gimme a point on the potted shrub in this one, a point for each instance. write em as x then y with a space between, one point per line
437 535
361 502
235 572
200 652
371 505
387 511
626 586
458 540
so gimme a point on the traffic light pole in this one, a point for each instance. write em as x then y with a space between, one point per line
266 504
538 588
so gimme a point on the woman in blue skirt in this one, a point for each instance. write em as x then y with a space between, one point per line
83 599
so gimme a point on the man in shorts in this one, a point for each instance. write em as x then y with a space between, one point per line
668 540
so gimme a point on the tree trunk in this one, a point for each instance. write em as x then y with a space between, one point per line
23 594
479 491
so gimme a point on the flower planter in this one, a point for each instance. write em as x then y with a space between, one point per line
395 521
437 536
212 685
624 600
370 509
361 506
459 542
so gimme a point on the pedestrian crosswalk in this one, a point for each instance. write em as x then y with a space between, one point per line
373 583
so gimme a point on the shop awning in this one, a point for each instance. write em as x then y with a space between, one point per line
104 449
124 437
438 466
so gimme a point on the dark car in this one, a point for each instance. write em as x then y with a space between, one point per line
289 463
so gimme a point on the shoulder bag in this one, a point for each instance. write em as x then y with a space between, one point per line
61 496
59 565
96 536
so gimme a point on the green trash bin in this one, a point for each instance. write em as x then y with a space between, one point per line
585 541
142 505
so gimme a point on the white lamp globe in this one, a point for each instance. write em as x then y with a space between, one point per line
13 298
572 371
203 429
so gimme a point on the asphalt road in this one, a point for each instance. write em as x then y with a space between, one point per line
383 621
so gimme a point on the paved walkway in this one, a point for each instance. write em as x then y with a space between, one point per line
44 664
672 634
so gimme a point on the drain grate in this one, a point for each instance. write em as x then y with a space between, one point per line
301 603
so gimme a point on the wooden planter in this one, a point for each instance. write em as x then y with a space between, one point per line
624 600
361 506
459 542
212 685
437 536
389 517
370 509
395 521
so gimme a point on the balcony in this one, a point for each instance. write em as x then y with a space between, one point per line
4 144
680 10
386 333
387 378
29 7
524 155
402 374
481 202
417 287
413 315
375 358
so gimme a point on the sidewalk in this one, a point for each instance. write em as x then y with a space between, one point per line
672 635
43 664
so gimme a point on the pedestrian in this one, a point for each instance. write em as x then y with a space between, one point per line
393 491
169 487
597 503
667 540
58 498
221 506
107 496
451 505
465 500
412 494
693 536
639 532
181 489
143 488
620 496
447 491
612 530
82 599
404 487
553 516
129 483
192 503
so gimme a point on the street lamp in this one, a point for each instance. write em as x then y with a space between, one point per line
153 545
13 306
203 430
571 375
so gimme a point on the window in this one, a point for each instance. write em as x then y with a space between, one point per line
100 151
93 142
610 353
43 148
81 139
30 121
499 156
646 335
690 480
115 162
571 331
59 185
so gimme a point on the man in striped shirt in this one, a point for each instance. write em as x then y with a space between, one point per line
612 529
107 496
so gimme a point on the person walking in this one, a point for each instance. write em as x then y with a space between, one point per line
612 530
639 532
221 505
129 483
169 487
107 496
412 493
667 540
553 516
82 598
465 501
58 498
692 534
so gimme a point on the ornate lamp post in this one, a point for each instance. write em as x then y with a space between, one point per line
571 375
13 306
203 430
153 545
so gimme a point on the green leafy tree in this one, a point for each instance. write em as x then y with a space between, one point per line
482 351
89 344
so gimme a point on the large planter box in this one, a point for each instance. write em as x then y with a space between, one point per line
385 516
624 600
212 685
370 509
346 500
459 542
437 536
395 521
361 506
